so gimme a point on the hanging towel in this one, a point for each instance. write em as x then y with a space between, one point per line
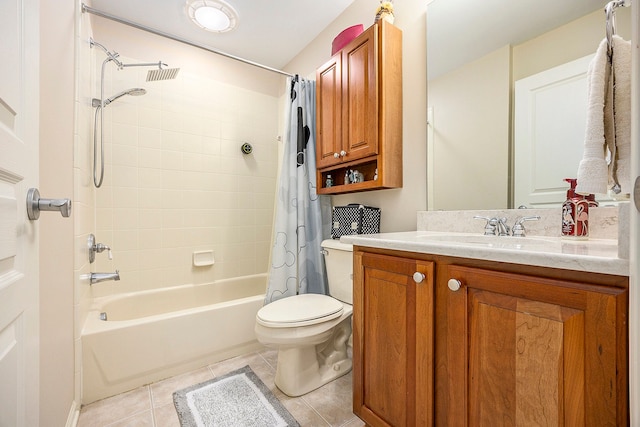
621 163
607 131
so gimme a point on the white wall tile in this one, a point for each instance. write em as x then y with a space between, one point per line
176 180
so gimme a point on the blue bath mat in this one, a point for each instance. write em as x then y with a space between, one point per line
237 399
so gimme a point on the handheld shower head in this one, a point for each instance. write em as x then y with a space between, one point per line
136 91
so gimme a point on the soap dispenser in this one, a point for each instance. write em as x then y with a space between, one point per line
575 213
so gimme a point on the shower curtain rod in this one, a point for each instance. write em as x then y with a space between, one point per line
102 14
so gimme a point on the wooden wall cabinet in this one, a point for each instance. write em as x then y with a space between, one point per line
359 113
483 343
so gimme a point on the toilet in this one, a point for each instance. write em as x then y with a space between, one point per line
311 331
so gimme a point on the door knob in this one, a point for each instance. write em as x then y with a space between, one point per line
418 277
454 284
35 204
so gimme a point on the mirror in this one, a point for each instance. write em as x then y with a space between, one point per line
476 51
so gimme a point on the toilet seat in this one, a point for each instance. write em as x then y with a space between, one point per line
299 310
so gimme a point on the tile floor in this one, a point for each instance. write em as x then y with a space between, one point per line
152 405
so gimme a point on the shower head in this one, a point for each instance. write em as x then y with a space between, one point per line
157 74
162 74
136 91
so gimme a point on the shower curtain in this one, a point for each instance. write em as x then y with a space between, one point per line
297 264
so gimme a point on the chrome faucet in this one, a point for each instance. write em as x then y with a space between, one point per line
490 226
102 277
518 227
495 226
502 229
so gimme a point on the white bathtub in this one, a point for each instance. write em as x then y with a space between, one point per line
152 335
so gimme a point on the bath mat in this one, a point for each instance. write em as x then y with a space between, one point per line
237 399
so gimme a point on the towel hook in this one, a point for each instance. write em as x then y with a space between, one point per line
610 14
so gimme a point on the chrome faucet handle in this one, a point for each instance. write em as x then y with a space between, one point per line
97 248
502 227
490 226
100 247
518 227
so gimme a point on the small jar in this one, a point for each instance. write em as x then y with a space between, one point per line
329 182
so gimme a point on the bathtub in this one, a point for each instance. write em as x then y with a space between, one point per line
152 335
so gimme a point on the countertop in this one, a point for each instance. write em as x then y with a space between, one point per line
592 255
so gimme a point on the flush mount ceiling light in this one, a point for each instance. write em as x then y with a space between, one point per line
216 16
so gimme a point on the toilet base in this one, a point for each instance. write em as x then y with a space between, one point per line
302 369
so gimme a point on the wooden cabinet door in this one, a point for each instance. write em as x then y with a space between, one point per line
360 96
526 351
393 341
329 113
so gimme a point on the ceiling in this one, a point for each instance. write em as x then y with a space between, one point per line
271 33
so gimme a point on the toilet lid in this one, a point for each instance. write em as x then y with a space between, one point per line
301 310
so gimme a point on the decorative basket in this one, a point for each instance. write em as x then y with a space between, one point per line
355 219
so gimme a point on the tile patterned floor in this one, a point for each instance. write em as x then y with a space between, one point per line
152 405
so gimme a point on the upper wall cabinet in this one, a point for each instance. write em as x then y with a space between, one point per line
359 114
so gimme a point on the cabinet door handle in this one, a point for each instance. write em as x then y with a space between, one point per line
418 277
454 284
336 155
343 153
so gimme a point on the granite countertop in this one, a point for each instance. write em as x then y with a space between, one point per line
592 255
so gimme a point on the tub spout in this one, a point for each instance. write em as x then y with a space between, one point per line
102 277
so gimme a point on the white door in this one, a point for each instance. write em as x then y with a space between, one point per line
634 280
550 121
19 92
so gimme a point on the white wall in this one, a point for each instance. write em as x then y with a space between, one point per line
399 206
471 134
57 88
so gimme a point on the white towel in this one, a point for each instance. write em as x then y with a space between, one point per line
608 121
622 112
592 171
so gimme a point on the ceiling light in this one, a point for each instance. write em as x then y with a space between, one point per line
213 15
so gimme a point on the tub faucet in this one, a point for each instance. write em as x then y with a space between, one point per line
102 277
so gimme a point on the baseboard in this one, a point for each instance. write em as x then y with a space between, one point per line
74 414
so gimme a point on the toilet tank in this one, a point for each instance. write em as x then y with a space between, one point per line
338 258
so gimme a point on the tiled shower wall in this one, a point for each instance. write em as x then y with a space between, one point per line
176 181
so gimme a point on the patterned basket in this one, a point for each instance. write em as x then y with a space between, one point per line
355 219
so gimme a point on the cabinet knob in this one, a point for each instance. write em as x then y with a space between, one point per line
454 284
343 153
418 277
336 155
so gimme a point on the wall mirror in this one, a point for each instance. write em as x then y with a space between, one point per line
476 52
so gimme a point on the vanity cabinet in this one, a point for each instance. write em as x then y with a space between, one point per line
533 351
393 340
359 113
486 343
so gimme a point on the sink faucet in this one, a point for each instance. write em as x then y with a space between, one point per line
490 226
502 228
102 277
494 226
518 227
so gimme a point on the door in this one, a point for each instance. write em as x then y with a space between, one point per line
360 96
550 121
329 113
19 92
393 340
634 268
534 351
